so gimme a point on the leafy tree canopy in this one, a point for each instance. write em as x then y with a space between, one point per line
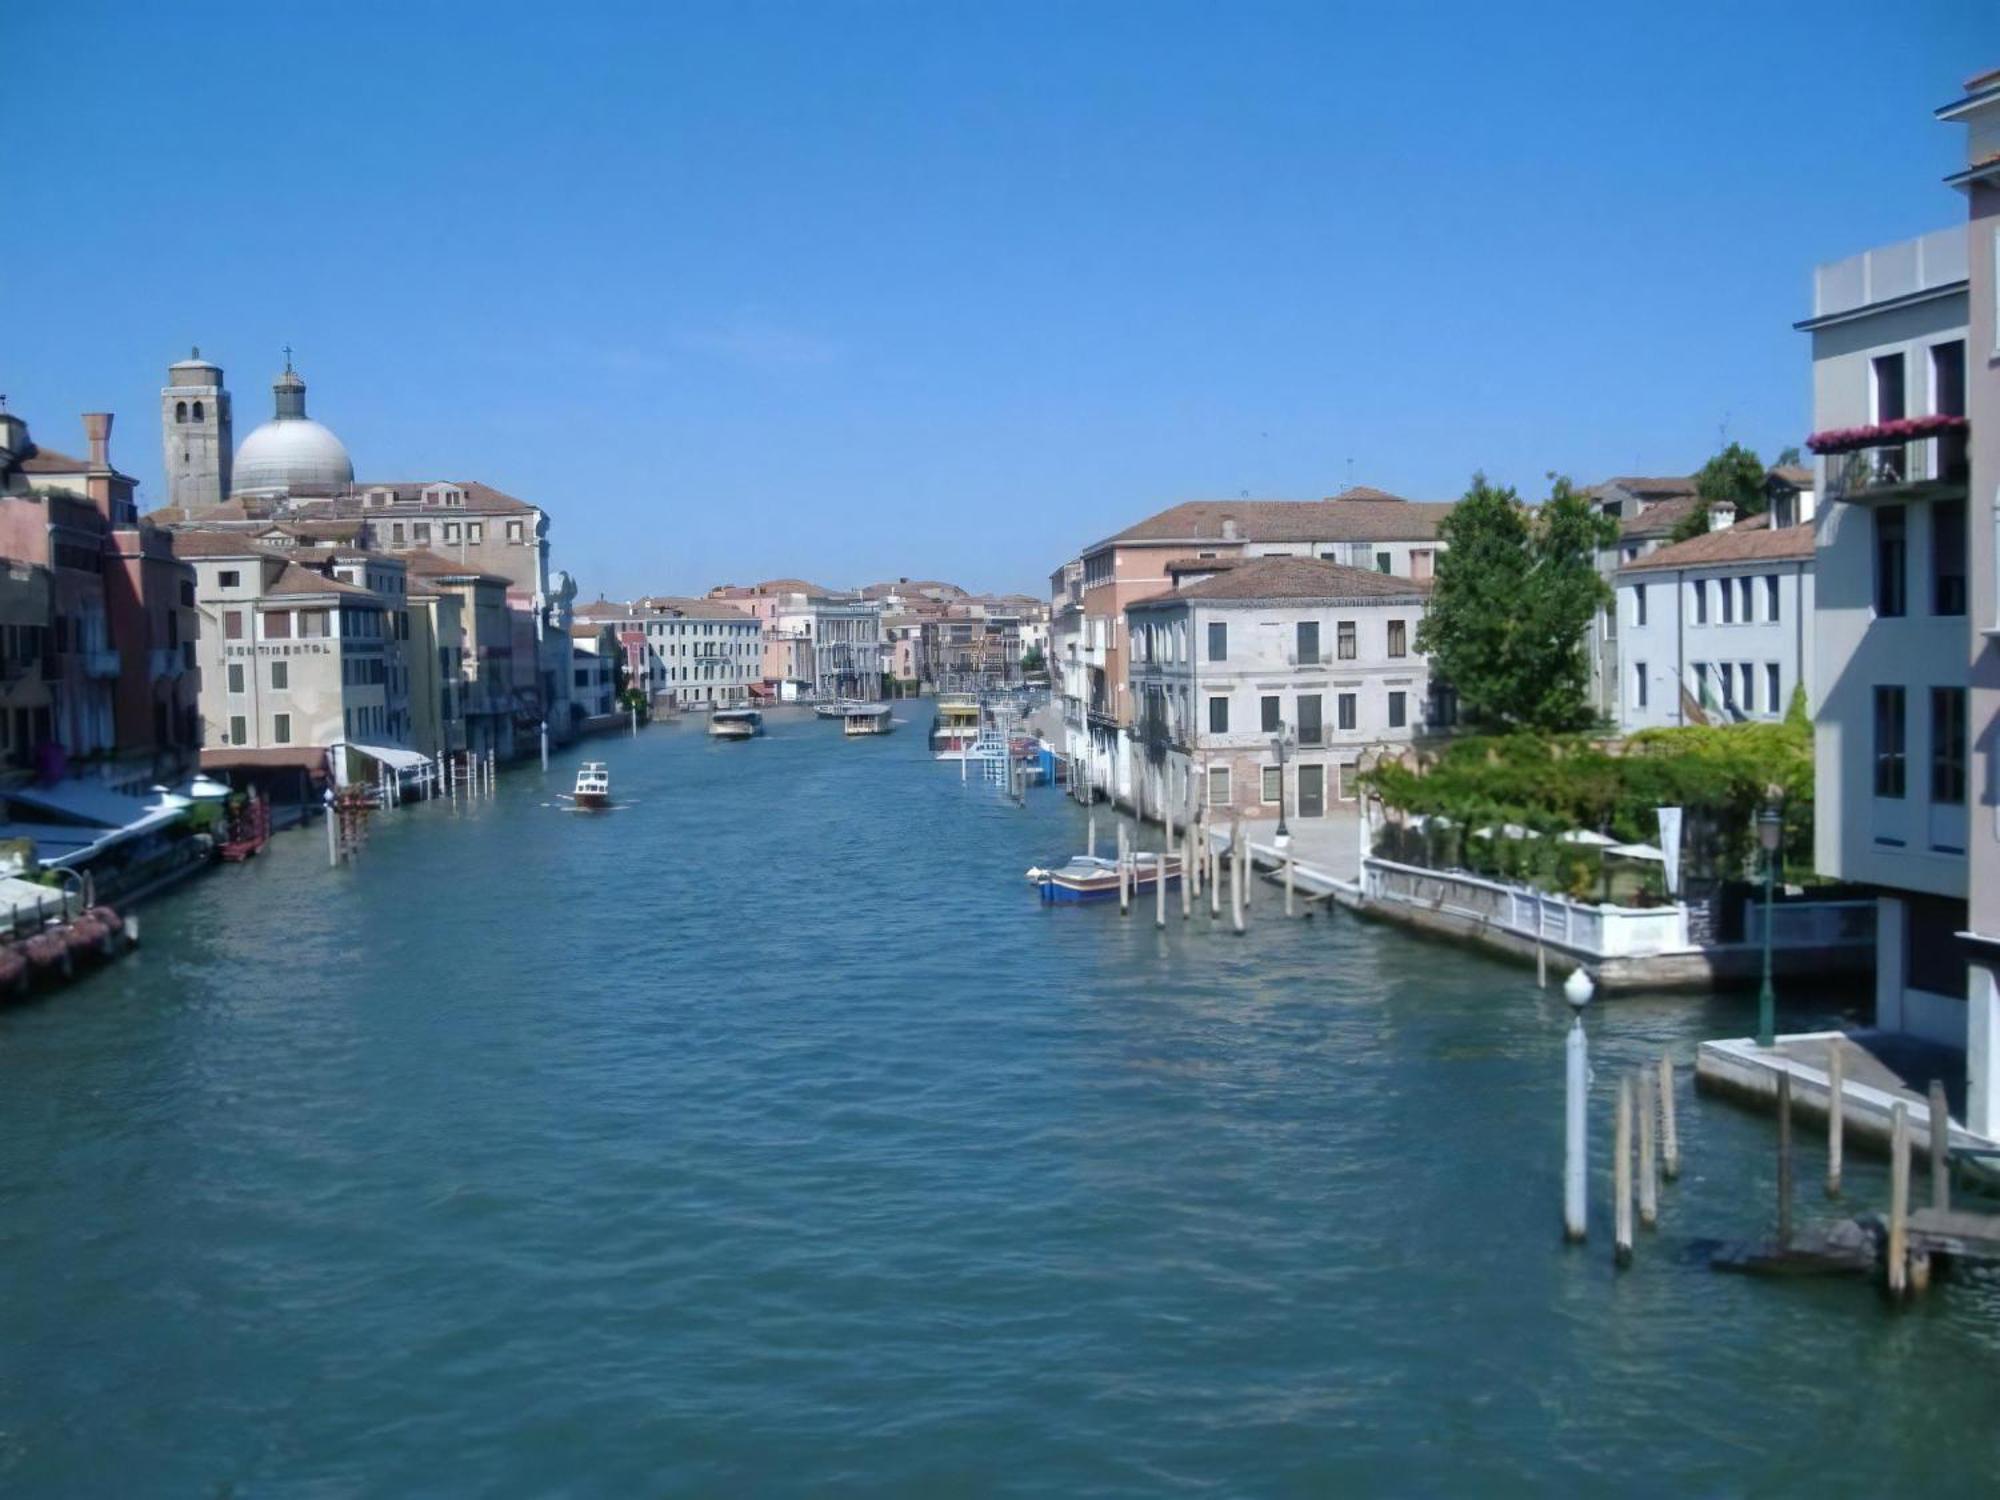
1736 475
1515 593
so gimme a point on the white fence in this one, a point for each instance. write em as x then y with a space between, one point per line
1593 930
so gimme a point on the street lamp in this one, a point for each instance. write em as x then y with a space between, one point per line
1577 989
1281 742
1769 829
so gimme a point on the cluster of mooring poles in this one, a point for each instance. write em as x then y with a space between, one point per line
1204 862
463 776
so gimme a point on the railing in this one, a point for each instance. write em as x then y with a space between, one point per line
100 663
164 663
1879 473
1598 932
1319 658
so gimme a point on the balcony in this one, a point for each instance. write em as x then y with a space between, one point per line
1862 471
101 663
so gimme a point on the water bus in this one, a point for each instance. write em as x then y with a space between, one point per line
956 728
866 718
735 723
593 785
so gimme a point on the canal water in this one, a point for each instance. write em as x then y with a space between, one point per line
766 1137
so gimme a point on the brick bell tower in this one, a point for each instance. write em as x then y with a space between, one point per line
196 444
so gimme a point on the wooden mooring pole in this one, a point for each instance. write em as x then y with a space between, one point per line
1289 882
1670 1135
1187 868
1836 1110
1784 1161
1649 1171
1124 876
1899 1198
1160 889
1090 843
1940 1148
1237 891
1621 1176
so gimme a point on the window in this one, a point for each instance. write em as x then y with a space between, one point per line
1344 705
236 677
1948 745
1308 643
420 531
281 676
513 531
451 531
281 729
1700 587
1774 698
1889 744
1948 557
1399 638
1728 601
1381 562
1268 708
1218 786
1638 684
1638 604
312 624
1218 641
197 411
1771 611
475 531
1747 686
1701 684
1344 640
1398 710
1890 402
1891 555
1218 716
180 411
1273 787
228 578
278 625
232 624
239 730
1312 729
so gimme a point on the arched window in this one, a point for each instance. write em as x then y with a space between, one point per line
197 411
180 411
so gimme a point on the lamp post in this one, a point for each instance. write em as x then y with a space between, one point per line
1281 742
1577 990
1770 827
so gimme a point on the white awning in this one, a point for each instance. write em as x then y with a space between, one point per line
393 756
1586 836
1638 851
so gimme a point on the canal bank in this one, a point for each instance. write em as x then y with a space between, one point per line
769 1136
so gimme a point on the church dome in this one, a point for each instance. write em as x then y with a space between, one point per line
291 451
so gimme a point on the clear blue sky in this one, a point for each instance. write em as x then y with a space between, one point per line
949 289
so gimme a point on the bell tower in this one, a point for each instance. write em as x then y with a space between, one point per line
196 444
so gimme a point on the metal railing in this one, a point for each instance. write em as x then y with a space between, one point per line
1872 473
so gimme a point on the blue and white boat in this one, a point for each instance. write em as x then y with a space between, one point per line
1088 877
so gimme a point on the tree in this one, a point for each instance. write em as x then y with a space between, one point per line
1514 596
1788 458
1735 475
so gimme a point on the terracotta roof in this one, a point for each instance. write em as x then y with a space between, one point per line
228 510
347 554
1658 519
431 565
1296 578
1748 541
40 460
696 609
340 529
1355 516
293 579
216 544
301 757
1796 475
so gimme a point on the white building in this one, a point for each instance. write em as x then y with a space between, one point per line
694 652
1722 621
1242 653
1891 638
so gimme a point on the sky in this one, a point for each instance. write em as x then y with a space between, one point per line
867 290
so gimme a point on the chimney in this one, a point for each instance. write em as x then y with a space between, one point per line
97 428
1229 528
1721 515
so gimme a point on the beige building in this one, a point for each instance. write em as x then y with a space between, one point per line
694 653
1242 654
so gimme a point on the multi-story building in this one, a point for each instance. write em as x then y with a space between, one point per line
1647 511
1890 635
1718 626
1243 653
847 648
493 713
303 656
596 655
699 653
121 622
1979 111
27 701
1362 528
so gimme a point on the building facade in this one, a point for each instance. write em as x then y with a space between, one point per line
1716 627
1228 663
1890 620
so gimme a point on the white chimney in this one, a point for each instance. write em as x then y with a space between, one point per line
1721 515
1229 528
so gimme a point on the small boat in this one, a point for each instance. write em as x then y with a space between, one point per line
866 718
735 723
593 785
1088 877
956 728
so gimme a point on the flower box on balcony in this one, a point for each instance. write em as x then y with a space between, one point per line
1884 434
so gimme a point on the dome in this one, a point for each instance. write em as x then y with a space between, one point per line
296 454
291 451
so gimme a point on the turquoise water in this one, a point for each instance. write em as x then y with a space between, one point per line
768 1137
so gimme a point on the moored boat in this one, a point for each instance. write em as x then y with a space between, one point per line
1089 877
735 723
956 728
866 718
593 785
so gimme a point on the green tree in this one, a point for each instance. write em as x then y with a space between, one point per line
1736 475
1788 458
1514 596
